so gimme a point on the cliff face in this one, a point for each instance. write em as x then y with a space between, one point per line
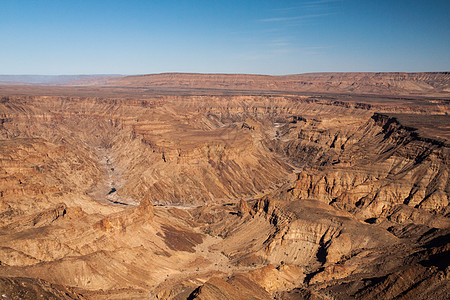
223 196
371 170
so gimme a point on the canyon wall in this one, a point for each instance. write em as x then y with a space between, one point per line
174 197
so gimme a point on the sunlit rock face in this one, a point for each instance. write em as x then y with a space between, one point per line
234 196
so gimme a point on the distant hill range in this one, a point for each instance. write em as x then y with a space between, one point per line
48 79
436 84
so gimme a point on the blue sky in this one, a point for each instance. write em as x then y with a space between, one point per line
245 36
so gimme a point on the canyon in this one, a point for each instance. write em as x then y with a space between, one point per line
220 186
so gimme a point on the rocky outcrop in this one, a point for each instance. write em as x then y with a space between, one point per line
243 208
30 289
118 222
371 171
43 218
238 287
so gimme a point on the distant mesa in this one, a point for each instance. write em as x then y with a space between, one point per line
382 83
430 83
49 79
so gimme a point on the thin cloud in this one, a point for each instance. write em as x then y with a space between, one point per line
280 19
306 3
285 9
319 2
279 44
296 18
283 21
281 51
316 50
317 47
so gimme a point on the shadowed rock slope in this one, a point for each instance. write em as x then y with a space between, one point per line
222 197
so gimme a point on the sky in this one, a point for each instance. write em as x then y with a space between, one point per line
54 37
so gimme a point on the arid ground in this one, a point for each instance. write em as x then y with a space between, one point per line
212 186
